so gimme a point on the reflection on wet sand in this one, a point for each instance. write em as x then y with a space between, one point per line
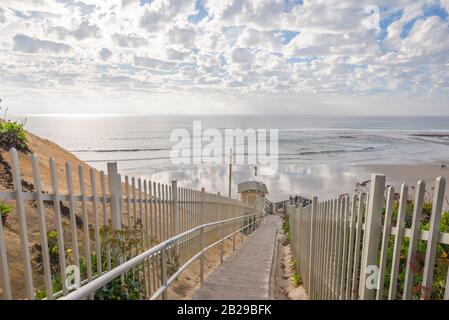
323 179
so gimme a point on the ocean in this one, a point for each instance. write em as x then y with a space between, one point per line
322 155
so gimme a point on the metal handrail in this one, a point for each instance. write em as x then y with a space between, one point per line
88 289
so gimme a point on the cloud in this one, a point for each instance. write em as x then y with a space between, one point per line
129 40
159 12
173 54
445 4
263 14
427 37
83 31
268 40
182 36
105 54
86 30
241 55
27 44
155 64
2 16
232 48
27 5
127 2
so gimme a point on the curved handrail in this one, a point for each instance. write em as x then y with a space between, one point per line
107 277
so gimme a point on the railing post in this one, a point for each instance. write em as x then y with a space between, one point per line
202 254
174 188
7 294
311 235
222 243
114 193
20 206
372 233
235 229
203 196
164 271
297 223
252 223
218 217
241 225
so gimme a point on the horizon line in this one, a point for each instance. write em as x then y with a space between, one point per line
116 115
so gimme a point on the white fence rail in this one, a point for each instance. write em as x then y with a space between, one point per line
105 222
247 222
375 245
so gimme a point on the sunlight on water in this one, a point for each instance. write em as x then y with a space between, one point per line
317 155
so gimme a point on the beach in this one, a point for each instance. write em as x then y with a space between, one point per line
410 173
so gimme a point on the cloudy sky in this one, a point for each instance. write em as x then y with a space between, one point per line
225 56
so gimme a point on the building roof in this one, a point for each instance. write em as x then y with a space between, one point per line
252 186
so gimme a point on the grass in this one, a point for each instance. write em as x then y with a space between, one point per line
296 278
4 212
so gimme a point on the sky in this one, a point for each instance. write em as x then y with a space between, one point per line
341 57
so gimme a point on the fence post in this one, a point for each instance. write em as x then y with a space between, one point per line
6 285
297 224
20 206
202 254
222 243
372 233
432 240
174 188
164 271
311 235
233 237
203 196
242 221
114 193
218 215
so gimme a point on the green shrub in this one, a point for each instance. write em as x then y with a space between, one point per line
13 135
4 211
115 246
417 265
296 278
292 265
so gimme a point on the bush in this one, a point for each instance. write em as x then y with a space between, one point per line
417 265
115 245
297 281
4 212
292 265
436 291
13 135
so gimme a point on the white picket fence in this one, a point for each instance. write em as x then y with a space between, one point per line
347 248
146 212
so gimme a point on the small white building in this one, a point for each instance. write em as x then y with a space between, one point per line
251 190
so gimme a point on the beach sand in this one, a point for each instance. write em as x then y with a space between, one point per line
410 173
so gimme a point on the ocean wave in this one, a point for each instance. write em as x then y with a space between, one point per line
367 149
126 160
282 156
119 150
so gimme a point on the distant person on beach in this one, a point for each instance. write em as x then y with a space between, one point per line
443 166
